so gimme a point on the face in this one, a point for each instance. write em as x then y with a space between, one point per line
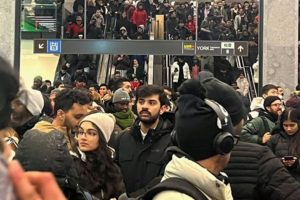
103 90
78 20
121 106
272 92
74 115
290 127
280 91
87 137
19 114
92 90
149 109
275 108
126 86
135 62
98 13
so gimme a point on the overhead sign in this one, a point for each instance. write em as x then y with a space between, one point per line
143 47
208 48
54 46
241 48
188 47
40 46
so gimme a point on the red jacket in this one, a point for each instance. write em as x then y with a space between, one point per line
191 26
75 29
139 17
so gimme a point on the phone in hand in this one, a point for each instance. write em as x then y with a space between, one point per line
290 158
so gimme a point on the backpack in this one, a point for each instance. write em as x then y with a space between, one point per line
176 184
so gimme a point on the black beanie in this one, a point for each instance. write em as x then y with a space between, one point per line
269 100
196 127
225 95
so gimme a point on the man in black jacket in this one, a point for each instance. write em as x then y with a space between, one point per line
254 171
140 148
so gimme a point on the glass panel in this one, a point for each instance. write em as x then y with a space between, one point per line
37 18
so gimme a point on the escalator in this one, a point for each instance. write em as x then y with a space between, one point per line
249 75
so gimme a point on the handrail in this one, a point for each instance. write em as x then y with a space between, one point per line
248 75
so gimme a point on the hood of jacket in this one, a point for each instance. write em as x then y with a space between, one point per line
47 127
200 177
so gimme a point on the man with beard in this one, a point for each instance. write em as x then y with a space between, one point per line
140 149
258 130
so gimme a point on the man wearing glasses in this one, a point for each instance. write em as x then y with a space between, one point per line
258 130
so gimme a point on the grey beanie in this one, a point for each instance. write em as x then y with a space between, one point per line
120 95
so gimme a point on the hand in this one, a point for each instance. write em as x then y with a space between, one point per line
266 138
34 185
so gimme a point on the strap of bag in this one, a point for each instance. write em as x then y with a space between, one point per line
176 184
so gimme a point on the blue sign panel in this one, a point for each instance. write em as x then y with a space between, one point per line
54 46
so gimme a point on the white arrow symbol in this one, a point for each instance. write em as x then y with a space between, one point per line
240 48
41 46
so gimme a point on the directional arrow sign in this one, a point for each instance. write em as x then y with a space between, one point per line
40 46
240 48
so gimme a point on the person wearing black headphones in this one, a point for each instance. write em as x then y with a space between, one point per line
204 135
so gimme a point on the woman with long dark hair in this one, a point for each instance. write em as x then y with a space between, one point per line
97 172
286 144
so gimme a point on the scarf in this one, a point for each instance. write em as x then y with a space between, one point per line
124 119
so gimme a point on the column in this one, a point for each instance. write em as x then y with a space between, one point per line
280 44
7 30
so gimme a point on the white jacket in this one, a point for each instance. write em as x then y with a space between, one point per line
186 71
200 177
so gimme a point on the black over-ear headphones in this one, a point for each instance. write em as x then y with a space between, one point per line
223 141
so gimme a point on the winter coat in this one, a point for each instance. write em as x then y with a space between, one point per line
141 161
139 17
139 74
200 177
65 79
255 173
44 148
255 129
122 64
171 23
280 144
186 71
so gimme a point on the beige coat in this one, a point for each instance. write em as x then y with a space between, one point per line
200 177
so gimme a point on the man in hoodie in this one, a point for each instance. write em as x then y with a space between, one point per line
14 182
254 172
205 134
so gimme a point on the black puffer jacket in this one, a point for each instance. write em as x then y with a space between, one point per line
280 144
256 173
141 161
40 151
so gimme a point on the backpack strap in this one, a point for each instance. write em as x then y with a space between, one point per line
177 184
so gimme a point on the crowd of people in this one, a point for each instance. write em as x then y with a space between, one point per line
131 20
150 142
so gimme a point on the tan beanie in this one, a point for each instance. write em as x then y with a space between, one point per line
104 121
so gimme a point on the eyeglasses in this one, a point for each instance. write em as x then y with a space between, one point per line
236 139
88 133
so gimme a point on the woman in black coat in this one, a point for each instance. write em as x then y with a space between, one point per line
98 174
286 144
